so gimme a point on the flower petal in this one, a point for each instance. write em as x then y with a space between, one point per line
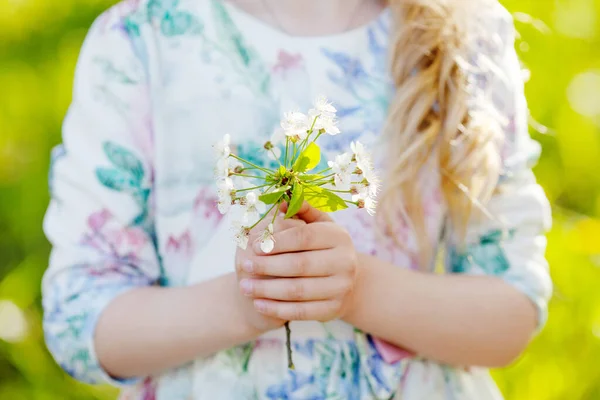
267 245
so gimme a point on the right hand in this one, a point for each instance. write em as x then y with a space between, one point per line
254 319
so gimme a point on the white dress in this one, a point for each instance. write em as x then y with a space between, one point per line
133 196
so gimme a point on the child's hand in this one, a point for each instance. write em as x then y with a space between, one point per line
313 267
260 322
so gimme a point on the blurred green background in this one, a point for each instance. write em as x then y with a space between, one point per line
560 47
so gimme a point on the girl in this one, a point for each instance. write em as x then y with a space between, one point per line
145 288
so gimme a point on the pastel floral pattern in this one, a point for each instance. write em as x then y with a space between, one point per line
134 203
487 254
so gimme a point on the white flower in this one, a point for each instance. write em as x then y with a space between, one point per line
342 168
222 168
295 125
362 158
253 208
241 234
365 201
329 125
267 242
323 108
222 149
226 166
342 182
235 165
325 114
371 180
225 195
278 136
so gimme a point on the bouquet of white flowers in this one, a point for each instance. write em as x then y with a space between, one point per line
348 180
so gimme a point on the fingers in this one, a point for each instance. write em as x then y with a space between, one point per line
316 263
296 289
316 236
308 311
309 214
279 224
282 224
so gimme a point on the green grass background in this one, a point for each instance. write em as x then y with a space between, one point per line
560 46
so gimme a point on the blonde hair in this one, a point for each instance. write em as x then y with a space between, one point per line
430 124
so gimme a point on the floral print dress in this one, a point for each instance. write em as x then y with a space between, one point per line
133 198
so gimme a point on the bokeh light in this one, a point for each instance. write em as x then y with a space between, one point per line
13 325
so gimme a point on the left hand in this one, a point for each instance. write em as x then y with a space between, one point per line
312 269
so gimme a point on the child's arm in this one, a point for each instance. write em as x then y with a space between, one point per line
102 295
483 313
150 329
455 319
486 309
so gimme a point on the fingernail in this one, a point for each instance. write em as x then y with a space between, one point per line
248 266
246 285
260 305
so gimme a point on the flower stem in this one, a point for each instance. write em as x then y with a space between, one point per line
263 217
325 170
338 191
254 187
249 163
287 142
275 213
310 131
318 136
275 155
288 345
293 154
249 176
321 178
319 183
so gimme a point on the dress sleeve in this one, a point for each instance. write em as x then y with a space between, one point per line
510 241
99 220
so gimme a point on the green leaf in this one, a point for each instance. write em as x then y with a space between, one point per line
274 196
115 179
125 160
282 170
323 200
308 159
296 201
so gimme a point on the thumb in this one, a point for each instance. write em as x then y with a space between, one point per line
309 214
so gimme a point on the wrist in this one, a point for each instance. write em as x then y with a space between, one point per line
242 323
230 317
352 308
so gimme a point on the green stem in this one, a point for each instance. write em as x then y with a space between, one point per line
318 136
263 217
293 154
275 213
310 132
249 176
254 187
288 345
321 178
285 160
338 191
275 155
249 163
323 183
325 170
